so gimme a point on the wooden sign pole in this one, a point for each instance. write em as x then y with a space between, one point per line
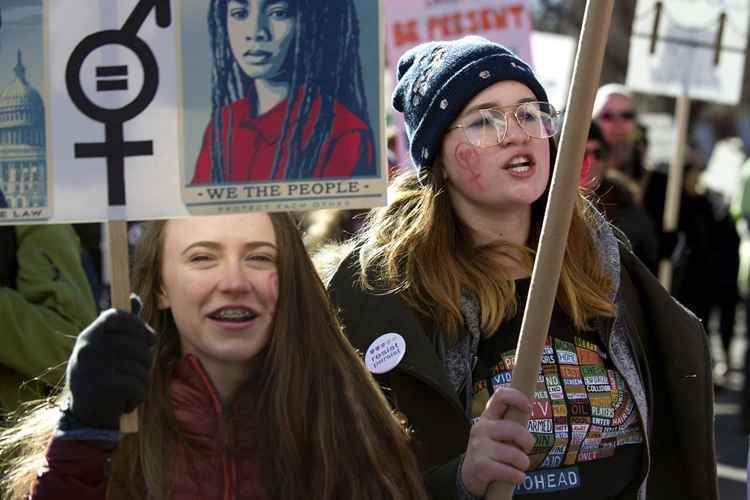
674 183
563 191
119 272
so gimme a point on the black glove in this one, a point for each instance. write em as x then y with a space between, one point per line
109 370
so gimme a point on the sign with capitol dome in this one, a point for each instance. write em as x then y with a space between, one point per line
25 180
146 109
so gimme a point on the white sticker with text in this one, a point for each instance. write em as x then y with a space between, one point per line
385 353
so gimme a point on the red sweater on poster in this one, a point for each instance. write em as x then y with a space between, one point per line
216 459
250 143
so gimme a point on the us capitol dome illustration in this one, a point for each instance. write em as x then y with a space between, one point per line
23 165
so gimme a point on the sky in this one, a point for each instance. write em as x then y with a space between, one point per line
21 29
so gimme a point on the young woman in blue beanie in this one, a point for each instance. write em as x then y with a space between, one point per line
433 291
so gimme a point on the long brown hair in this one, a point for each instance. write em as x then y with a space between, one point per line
326 431
418 247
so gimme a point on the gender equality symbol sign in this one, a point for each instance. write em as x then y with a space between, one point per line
113 78
114 147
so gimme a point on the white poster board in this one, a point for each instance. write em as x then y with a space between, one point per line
723 172
661 135
96 50
411 22
25 177
553 57
114 99
698 48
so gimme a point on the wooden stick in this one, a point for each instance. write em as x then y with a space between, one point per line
563 192
674 183
119 272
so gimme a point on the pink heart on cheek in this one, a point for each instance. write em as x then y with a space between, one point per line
467 158
273 287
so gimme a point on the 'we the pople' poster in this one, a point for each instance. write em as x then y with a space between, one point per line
261 126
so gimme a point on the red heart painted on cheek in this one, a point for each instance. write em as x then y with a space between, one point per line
467 158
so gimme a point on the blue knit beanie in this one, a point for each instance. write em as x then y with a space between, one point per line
436 80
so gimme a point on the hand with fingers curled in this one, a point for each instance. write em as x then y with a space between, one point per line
109 370
498 448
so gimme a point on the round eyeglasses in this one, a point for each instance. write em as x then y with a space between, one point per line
487 127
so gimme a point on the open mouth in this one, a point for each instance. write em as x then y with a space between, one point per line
234 314
520 164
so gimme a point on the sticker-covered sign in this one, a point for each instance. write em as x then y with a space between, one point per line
25 176
280 105
689 47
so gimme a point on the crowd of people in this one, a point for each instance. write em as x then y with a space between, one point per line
385 373
704 250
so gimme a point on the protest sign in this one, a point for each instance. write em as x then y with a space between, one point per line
660 133
723 174
24 176
245 148
553 57
111 77
689 47
129 98
411 22
108 120
113 118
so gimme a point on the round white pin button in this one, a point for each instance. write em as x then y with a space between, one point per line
385 353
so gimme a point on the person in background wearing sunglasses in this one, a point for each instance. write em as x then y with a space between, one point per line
614 193
433 291
614 112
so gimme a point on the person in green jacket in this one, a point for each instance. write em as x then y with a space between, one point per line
45 302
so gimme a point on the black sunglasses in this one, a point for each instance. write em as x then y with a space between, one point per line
611 115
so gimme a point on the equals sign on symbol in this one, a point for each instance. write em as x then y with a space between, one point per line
107 78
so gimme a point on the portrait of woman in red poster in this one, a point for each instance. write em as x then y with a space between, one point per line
287 93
